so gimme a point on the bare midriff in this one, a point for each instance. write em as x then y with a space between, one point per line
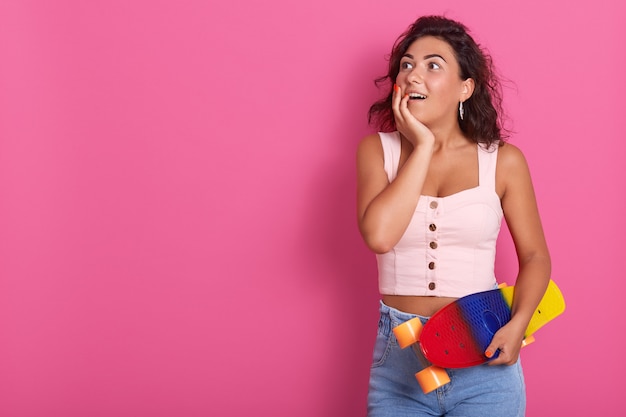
420 305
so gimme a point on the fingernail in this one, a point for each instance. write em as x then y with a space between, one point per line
488 353
396 88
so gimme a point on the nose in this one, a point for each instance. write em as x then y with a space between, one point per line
415 75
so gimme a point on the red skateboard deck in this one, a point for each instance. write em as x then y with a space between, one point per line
458 334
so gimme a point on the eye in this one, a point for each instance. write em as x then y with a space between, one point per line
433 65
405 65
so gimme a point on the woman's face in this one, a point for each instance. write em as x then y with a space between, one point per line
430 74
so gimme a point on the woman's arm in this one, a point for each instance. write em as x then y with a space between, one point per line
514 184
384 210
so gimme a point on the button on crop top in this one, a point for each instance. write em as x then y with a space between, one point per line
449 247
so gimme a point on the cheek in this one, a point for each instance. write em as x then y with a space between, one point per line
402 76
448 91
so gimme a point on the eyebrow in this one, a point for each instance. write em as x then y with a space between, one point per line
426 56
434 56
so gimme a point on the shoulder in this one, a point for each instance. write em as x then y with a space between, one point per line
512 170
369 139
511 159
370 145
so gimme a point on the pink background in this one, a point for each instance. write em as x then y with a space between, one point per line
177 216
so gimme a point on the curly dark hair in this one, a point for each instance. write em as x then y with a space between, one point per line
482 122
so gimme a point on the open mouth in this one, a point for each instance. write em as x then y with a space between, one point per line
416 96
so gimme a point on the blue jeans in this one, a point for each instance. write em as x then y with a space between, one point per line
479 391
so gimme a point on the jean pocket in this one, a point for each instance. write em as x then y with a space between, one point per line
381 349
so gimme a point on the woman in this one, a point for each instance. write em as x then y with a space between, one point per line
431 197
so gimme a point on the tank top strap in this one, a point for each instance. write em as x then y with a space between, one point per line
487 160
392 146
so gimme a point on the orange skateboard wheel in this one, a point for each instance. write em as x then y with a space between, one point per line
432 378
528 340
408 332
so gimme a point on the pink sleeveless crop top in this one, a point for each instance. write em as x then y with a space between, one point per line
449 247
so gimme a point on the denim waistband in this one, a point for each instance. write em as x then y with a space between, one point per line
391 317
